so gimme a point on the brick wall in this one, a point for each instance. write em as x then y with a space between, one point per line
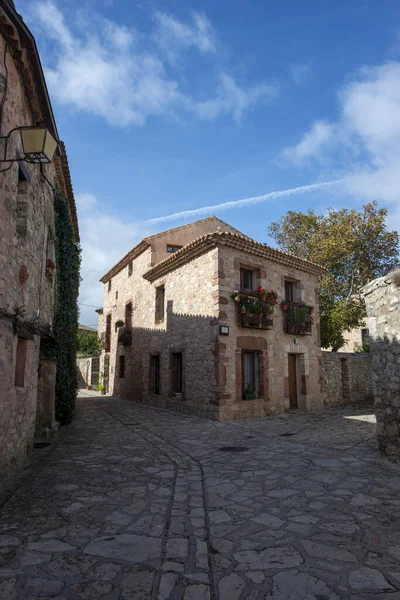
347 377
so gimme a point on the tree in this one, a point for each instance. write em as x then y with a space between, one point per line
87 342
354 247
66 310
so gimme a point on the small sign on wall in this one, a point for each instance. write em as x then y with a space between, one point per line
223 330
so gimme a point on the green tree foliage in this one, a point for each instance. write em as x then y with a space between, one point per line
87 342
355 247
66 310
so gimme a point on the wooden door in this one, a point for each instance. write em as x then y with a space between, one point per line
293 381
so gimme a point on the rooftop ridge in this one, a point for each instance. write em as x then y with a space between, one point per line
209 240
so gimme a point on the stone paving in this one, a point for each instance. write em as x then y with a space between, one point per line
136 503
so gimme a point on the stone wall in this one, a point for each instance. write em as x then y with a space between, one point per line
273 345
26 241
382 298
347 377
88 371
198 300
188 326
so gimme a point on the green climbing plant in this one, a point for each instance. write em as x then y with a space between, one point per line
66 309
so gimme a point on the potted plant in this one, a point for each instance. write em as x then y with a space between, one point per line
249 393
50 268
119 323
100 386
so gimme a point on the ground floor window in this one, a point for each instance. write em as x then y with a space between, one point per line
250 375
177 373
121 367
155 374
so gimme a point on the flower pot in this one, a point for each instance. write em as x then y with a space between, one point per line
264 298
249 396
88 387
103 392
284 307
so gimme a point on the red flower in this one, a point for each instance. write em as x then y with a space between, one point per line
260 289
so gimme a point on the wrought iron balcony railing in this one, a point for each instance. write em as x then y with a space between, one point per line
251 314
298 318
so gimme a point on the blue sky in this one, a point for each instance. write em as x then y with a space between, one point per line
171 106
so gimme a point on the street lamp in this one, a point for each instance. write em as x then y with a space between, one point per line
38 145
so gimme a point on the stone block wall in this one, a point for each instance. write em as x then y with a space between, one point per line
273 345
347 377
26 241
382 298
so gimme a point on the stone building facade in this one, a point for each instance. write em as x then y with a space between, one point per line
382 299
26 242
174 337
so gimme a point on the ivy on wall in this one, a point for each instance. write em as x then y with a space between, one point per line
66 310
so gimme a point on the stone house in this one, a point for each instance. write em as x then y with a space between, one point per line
26 243
174 337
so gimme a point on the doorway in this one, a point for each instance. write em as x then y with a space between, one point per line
293 381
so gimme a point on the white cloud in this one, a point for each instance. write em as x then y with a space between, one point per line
210 209
105 239
300 72
366 134
231 99
113 72
172 36
312 143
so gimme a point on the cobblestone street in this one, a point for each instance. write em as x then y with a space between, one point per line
137 503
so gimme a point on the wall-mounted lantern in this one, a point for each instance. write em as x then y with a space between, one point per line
38 145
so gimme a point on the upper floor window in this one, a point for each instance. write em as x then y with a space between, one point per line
289 291
108 333
364 335
130 268
109 285
171 248
128 315
246 279
160 303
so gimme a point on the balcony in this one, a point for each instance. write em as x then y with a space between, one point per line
125 335
255 308
298 318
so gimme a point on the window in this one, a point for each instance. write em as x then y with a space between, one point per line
108 334
288 291
128 315
177 373
22 200
246 279
364 335
109 285
160 301
121 370
116 295
20 362
250 375
155 374
171 248
130 268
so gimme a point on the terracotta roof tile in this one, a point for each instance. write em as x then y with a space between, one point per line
211 240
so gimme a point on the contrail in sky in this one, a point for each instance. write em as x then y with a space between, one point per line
243 202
